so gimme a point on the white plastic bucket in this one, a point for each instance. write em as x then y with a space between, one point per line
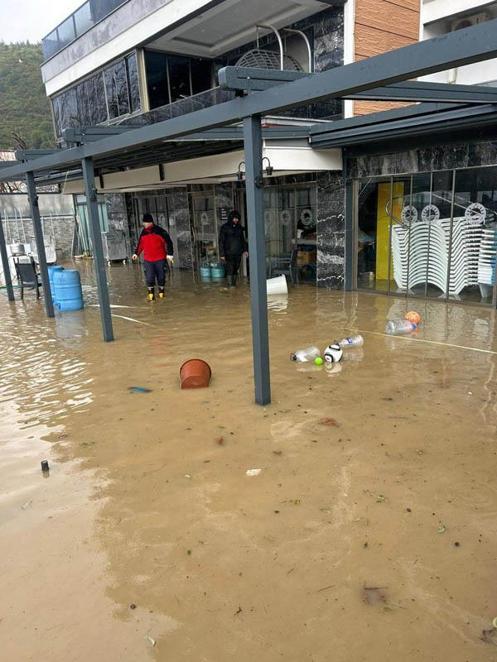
277 285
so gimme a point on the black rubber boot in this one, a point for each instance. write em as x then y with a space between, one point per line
234 280
230 281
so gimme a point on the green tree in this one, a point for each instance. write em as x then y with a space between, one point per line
24 108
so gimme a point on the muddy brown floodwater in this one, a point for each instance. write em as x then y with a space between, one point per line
369 534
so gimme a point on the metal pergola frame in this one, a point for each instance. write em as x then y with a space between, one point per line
375 75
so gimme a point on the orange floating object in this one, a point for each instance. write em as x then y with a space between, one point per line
195 373
413 317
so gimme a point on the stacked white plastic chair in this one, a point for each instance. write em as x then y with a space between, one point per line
422 249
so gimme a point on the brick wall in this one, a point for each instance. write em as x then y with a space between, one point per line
380 26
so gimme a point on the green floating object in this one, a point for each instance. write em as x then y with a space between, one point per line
318 361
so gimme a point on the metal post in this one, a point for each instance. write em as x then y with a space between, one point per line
40 243
5 264
350 230
252 137
98 251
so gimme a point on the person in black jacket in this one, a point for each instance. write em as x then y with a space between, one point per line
232 245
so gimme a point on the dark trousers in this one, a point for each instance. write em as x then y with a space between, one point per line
233 264
155 271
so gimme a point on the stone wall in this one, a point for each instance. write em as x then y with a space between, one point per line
331 230
443 156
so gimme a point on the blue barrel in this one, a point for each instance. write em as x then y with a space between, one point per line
51 271
205 273
217 271
67 290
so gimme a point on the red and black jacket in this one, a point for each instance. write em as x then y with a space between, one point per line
155 244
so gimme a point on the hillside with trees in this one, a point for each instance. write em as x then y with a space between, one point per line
25 116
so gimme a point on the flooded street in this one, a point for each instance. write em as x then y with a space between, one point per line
369 534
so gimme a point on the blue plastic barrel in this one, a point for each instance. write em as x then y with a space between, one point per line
205 273
217 271
51 270
67 290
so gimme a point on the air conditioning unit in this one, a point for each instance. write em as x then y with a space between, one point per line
459 24
468 21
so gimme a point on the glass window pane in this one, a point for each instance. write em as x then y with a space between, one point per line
50 44
83 18
373 234
474 235
66 111
423 261
133 82
179 77
156 72
201 75
66 32
91 101
116 85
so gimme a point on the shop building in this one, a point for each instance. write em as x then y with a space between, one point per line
374 202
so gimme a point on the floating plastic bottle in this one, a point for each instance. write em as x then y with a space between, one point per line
305 355
399 327
353 341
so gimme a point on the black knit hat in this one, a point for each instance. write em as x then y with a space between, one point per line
147 218
234 214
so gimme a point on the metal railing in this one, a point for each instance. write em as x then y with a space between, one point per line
80 21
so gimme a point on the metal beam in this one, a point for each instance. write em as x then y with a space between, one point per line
98 251
5 264
248 79
257 257
455 49
28 154
40 243
443 121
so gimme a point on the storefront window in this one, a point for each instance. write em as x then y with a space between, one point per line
429 234
290 224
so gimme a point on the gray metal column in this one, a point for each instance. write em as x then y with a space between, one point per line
98 251
252 137
5 264
40 243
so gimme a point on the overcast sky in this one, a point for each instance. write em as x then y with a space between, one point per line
30 20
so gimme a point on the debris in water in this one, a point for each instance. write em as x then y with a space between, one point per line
238 611
494 622
326 588
132 606
253 472
188 475
44 466
330 422
139 389
457 544
277 452
380 498
442 528
374 595
220 441
151 641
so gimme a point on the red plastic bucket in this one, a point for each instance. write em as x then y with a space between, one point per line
195 373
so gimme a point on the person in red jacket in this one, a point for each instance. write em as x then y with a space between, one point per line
157 248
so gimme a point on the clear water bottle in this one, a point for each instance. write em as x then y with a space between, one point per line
305 355
353 341
399 327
